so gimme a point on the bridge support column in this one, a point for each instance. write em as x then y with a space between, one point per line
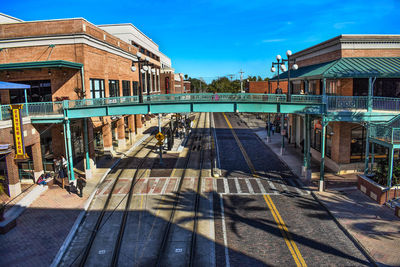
390 169
70 158
322 170
372 156
269 129
306 170
282 133
370 94
88 170
107 137
131 126
366 167
139 125
121 133
37 160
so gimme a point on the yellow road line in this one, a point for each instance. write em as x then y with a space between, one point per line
298 258
246 157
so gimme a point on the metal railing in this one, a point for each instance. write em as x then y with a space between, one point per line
386 103
96 102
209 97
315 99
385 133
347 103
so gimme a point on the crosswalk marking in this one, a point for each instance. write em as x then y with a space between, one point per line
251 190
284 187
239 190
226 187
262 189
271 185
237 186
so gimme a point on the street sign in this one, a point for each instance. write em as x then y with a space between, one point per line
160 143
160 136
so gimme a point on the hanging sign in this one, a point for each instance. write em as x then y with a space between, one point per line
18 132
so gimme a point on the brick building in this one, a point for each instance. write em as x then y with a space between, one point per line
350 61
73 59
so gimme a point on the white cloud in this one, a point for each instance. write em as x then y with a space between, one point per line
273 40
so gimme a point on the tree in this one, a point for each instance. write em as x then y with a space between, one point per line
197 85
186 76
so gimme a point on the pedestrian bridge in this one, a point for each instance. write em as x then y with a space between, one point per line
334 108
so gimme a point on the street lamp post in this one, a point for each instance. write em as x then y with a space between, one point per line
282 66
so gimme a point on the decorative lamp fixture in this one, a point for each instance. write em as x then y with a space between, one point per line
295 67
49 72
278 57
288 53
273 69
142 71
145 68
133 68
283 67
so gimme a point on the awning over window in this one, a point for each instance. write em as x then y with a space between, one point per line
350 67
13 86
41 64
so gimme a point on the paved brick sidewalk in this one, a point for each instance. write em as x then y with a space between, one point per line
374 227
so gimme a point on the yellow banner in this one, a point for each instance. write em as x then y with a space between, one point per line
18 132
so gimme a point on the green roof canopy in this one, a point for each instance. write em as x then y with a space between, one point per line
350 67
41 64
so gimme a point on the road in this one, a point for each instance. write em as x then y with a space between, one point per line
267 218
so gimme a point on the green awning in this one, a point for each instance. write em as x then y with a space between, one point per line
41 64
354 67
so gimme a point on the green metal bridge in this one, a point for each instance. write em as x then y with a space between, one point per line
380 114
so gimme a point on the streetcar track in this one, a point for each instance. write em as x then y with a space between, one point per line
178 190
99 225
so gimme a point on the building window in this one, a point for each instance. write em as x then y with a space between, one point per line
126 88
97 88
144 84
141 50
113 87
331 87
135 88
40 91
387 87
360 87
296 87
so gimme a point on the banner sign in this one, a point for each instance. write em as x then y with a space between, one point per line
18 132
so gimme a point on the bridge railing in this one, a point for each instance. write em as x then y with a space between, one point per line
33 109
315 99
347 103
96 102
385 133
386 103
208 97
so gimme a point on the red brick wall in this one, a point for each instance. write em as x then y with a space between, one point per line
273 86
374 192
258 87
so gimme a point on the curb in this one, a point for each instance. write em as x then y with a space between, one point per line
82 214
355 241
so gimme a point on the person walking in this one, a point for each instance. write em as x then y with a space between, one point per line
63 170
273 129
81 183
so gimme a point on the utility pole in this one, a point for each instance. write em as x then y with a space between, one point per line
241 80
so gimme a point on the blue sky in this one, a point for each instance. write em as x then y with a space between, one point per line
215 38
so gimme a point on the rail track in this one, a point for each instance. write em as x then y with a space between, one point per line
199 143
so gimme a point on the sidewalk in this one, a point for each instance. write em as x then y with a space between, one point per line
373 227
43 227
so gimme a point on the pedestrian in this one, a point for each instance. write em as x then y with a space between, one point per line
41 181
273 129
215 96
63 170
81 183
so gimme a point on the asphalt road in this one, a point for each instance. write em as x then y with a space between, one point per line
262 218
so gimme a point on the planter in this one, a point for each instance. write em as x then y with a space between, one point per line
374 190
